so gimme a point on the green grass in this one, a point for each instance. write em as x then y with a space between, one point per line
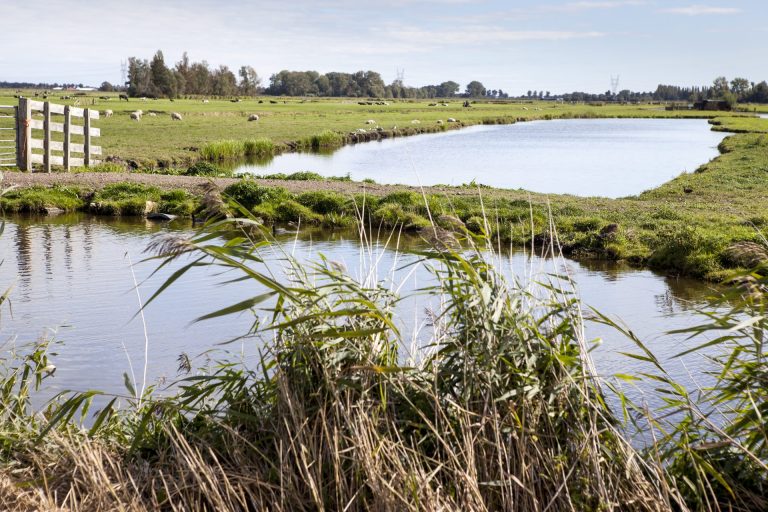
294 121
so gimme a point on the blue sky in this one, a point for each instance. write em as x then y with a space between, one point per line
555 45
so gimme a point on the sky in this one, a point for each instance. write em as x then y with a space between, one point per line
513 45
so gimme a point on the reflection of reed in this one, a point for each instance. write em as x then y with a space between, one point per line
48 249
68 251
23 241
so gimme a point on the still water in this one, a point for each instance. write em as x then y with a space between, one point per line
72 282
586 157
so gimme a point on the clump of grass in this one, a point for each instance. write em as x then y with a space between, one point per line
249 194
203 168
37 199
223 150
326 139
260 147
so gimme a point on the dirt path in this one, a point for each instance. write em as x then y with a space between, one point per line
194 184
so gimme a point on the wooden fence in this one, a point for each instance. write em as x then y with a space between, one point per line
8 138
65 148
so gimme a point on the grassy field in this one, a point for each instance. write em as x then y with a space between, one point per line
286 121
697 224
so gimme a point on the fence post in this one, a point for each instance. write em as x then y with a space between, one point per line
17 133
47 136
25 135
87 133
67 136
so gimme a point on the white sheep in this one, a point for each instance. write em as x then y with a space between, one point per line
370 121
140 112
108 113
525 108
136 116
415 121
439 121
360 130
176 116
205 101
152 114
253 117
451 120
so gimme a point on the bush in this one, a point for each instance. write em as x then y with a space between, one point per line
291 211
203 168
250 194
393 215
324 202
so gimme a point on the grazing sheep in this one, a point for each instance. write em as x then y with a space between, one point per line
360 130
452 120
525 108
176 116
108 113
140 112
136 116
124 97
439 121
205 101
253 117
370 121
415 121
443 104
152 114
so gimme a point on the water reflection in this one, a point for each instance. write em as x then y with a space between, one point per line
73 276
588 157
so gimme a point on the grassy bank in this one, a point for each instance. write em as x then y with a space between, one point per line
300 123
502 409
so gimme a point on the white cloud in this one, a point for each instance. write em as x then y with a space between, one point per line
481 34
699 10
588 5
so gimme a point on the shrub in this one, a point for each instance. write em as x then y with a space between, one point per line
393 215
291 211
203 168
324 202
250 194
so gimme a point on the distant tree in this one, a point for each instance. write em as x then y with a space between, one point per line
106 87
529 93
740 86
720 86
162 81
224 82
475 89
447 89
249 80
759 93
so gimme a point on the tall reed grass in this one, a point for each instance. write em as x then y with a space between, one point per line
501 410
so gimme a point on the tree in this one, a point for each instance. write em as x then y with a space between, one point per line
447 89
740 86
106 87
249 80
720 86
163 83
475 89
224 82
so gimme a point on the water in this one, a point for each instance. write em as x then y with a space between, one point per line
762 116
586 157
73 282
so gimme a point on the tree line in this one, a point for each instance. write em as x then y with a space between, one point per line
154 78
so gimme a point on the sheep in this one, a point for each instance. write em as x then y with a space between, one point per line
370 121
415 121
176 116
253 117
205 101
123 97
136 116
452 120
360 130
439 121
525 108
433 104
152 114
108 113
140 112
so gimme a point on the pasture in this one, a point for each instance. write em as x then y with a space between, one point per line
158 139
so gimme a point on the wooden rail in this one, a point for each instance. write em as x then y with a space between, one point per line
26 143
8 136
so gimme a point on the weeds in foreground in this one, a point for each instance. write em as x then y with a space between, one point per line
501 411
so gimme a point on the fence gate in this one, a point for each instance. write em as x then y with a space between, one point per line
8 137
56 136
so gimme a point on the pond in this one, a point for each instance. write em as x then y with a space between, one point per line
73 282
586 157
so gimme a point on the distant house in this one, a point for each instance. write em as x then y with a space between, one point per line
712 105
